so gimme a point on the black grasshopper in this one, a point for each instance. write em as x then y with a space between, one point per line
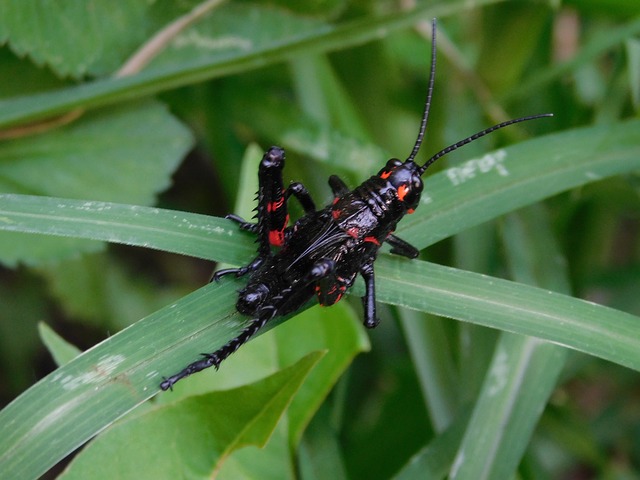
322 252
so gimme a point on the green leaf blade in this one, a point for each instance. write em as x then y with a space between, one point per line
211 427
496 303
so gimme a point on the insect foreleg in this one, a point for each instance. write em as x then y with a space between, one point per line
299 191
338 187
369 299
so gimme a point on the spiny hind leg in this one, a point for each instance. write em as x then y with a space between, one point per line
272 211
214 359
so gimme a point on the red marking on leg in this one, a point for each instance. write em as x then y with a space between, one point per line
273 206
276 237
372 240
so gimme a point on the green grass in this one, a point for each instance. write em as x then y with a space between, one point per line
509 349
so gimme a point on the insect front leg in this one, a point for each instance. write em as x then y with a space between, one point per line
369 299
338 187
301 193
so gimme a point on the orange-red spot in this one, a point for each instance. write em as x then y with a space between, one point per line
372 240
353 232
410 211
402 192
276 238
384 175
336 214
273 206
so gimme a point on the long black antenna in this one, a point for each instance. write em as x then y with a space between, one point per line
427 105
475 136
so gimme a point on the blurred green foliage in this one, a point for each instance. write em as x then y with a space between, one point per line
340 85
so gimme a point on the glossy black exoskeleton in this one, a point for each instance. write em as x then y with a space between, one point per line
322 252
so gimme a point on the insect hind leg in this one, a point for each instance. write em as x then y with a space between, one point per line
214 359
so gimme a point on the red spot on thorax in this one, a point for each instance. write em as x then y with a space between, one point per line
353 232
372 240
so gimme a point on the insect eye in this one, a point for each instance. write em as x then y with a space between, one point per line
417 184
392 164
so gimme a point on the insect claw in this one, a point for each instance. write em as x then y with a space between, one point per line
166 384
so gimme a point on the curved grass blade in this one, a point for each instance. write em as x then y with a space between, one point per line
178 232
455 199
513 307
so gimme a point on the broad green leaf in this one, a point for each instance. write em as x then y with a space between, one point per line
338 330
109 91
193 437
75 37
122 154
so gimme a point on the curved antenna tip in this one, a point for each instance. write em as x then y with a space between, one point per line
475 136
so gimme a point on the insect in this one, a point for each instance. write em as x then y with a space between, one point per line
323 251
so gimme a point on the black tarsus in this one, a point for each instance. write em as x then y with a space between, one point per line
369 298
